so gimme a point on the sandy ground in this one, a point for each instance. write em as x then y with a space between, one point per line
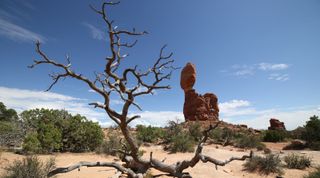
201 170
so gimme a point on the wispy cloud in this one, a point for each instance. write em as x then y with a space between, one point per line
242 70
95 32
18 33
247 70
279 77
269 66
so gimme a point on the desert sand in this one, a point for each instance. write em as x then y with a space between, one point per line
201 170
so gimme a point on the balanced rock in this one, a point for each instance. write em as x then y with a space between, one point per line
196 106
275 124
188 77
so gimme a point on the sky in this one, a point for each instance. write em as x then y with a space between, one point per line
261 58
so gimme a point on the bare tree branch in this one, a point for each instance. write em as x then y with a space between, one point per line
94 164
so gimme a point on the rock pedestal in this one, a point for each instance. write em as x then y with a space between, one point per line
196 106
275 124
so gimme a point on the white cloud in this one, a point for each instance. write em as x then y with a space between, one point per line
236 108
91 91
18 33
233 104
279 77
95 32
21 99
269 66
157 118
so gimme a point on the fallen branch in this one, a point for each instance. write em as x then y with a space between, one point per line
94 164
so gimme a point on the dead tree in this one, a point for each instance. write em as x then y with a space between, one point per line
114 81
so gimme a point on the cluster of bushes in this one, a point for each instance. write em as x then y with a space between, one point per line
274 135
312 134
11 131
57 130
174 136
309 132
116 145
269 164
243 139
272 163
8 115
149 134
294 161
110 145
178 139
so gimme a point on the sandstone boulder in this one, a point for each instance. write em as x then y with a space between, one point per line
188 77
275 124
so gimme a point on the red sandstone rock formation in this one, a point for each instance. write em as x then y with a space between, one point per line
275 124
188 77
196 106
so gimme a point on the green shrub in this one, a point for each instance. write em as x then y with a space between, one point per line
110 145
49 137
314 174
224 136
30 167
57 130
182 142
249 141
149 134
295 161
173 128
195 131
9 115
79 134
11 133
31 143
274 136
6 127
297 133
265 165
312 134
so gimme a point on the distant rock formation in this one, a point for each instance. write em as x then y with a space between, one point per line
196 106
275 124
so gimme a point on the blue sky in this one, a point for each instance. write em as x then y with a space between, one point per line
261 58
